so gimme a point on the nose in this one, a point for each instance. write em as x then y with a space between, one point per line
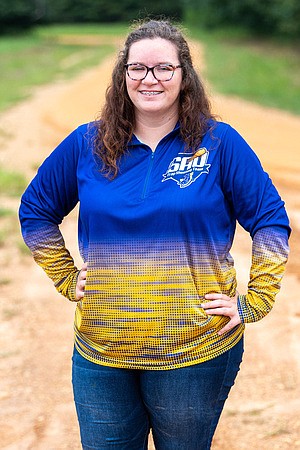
150 78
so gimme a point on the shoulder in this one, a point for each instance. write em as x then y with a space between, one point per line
85 131
222 137
81 139
226 137
221 129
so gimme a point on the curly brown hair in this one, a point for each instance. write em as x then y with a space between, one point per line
117 118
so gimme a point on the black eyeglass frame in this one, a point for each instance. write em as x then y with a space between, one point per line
151 69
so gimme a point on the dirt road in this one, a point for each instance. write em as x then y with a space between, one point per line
36 406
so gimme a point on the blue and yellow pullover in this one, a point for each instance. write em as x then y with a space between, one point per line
156 239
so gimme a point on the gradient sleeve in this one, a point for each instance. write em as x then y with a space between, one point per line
269 255
257 206
50 196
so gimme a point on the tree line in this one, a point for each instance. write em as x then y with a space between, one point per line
271 17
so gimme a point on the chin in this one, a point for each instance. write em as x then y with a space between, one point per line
151 106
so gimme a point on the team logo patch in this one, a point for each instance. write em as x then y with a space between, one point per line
185 170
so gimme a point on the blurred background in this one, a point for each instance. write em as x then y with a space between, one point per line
56 58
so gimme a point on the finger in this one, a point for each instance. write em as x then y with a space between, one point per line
84 268
219 312
81 284
231 324
82 274
215 304
79 294
80 288
216 296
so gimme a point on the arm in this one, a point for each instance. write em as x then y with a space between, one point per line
51 195
257 206
269 255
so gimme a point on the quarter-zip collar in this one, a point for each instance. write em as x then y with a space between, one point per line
134 142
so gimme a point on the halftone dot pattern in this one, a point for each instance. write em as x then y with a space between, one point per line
269 255
48 249
142 305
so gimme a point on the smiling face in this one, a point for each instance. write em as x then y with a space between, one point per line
150 96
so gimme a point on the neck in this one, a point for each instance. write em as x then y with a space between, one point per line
151 129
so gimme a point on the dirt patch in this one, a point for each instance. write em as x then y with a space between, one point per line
36 338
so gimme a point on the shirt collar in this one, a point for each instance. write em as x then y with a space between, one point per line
135 142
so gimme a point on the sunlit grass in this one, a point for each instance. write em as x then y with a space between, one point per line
263 71
37 58
260 70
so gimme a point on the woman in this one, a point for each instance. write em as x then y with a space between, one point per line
159 322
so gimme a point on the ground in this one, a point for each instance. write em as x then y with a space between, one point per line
36 405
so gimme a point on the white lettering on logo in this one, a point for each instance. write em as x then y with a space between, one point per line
185 170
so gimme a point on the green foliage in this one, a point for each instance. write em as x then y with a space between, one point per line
268 17
109 11
16 14
286 14
23 13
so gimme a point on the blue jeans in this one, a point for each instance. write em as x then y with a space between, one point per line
116 408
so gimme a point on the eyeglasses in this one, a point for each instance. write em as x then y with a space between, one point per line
161 72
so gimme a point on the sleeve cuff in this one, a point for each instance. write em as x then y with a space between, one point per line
245 313
68 286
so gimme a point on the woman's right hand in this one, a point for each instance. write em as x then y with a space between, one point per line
81 280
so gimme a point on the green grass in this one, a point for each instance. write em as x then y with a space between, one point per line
37 57
107 29
12 183
262 71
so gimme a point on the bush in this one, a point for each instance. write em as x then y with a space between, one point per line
269 17
23 13
108 11
16 14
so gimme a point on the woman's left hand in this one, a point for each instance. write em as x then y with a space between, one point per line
222 305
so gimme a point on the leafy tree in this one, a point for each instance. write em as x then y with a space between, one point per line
267 17
17 13
108 11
